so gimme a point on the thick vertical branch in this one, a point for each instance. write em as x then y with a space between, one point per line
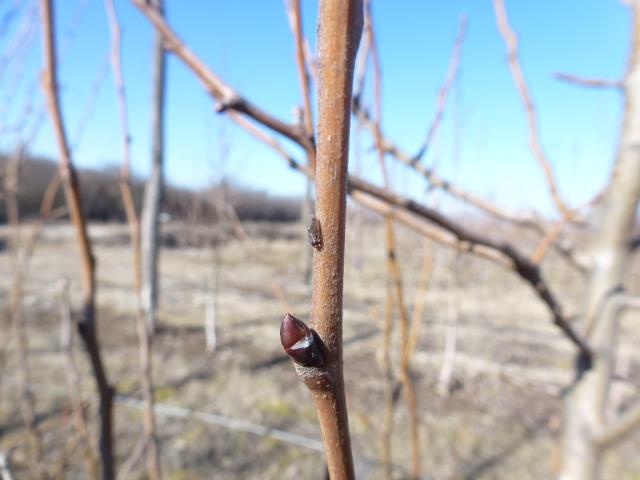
144 336
340 28
87 324
586 406
154 188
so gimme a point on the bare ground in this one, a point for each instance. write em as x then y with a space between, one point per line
502 420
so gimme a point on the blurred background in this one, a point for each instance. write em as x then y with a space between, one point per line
199 232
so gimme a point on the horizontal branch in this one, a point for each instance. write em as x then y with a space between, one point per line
588 81
413 214
494 211
423 228
436 181
527 270
227 97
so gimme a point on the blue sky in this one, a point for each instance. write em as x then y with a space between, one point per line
250 45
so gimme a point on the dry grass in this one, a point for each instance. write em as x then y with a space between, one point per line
501 422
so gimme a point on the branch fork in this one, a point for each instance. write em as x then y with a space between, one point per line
229 102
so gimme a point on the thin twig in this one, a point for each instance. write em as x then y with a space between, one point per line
137 451
449 78
90 102
511 41
436 181
387 372
294 14
295 20
529 222
422 287
592 82
405 376
543 246
394 273
361 68
386 433
144 336
26 399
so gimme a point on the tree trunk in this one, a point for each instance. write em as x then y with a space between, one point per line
586 405
154 188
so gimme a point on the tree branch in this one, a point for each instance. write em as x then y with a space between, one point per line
434 180
394 286
339 32
620 428
511 41
228 98
528 271
449 78
589 81
144 335
295 19
87 324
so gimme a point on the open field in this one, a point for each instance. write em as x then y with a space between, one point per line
501 420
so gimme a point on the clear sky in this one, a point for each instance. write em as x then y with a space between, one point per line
482 143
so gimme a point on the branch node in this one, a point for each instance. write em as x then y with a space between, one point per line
301 343
230 102
314 229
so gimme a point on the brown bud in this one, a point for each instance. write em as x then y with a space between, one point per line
300 342
315 232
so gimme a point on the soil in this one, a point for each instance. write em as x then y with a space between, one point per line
501 419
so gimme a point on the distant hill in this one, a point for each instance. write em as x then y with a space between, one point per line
102 202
